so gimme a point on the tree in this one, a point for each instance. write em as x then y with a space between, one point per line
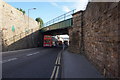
40 21
17 8
21 10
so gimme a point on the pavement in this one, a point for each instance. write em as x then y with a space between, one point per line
77 66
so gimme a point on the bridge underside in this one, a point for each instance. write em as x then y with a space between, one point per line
57 32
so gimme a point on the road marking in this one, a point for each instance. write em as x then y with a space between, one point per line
54 69
56 75
20 50
12 59
53 72
32 54
56 61
59 60
56 72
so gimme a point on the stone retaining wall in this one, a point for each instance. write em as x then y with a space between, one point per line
101 38
17 32
74 35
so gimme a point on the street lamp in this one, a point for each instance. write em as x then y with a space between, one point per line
28 23
28 14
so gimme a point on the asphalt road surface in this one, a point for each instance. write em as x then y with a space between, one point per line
30 63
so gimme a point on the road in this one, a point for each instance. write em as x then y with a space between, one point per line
30 63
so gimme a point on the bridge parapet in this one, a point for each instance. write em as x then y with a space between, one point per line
59 25
60 18
59 22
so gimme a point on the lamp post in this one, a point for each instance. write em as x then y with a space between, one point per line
28 15
28 24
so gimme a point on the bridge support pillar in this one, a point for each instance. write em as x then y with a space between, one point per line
76 33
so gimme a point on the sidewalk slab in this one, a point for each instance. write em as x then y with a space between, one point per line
77 66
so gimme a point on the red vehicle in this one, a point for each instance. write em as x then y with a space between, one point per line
47 41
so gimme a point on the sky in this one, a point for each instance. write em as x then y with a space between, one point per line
49 10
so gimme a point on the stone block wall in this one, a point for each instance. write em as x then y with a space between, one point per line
119 36
17 19
23 34
101 37
0 25
75 33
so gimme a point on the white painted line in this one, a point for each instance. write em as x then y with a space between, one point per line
59 61
56 75
56 67
36 53
12 59
29 54
53 73
20 50
32 54
56 61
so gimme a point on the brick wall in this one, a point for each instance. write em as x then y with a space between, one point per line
101 37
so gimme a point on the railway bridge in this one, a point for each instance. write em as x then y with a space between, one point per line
59 25
93 33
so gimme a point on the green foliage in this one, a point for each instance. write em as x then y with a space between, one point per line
21 10
39 20
17 8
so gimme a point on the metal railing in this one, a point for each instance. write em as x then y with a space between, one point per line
59 25
59 18
17 37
